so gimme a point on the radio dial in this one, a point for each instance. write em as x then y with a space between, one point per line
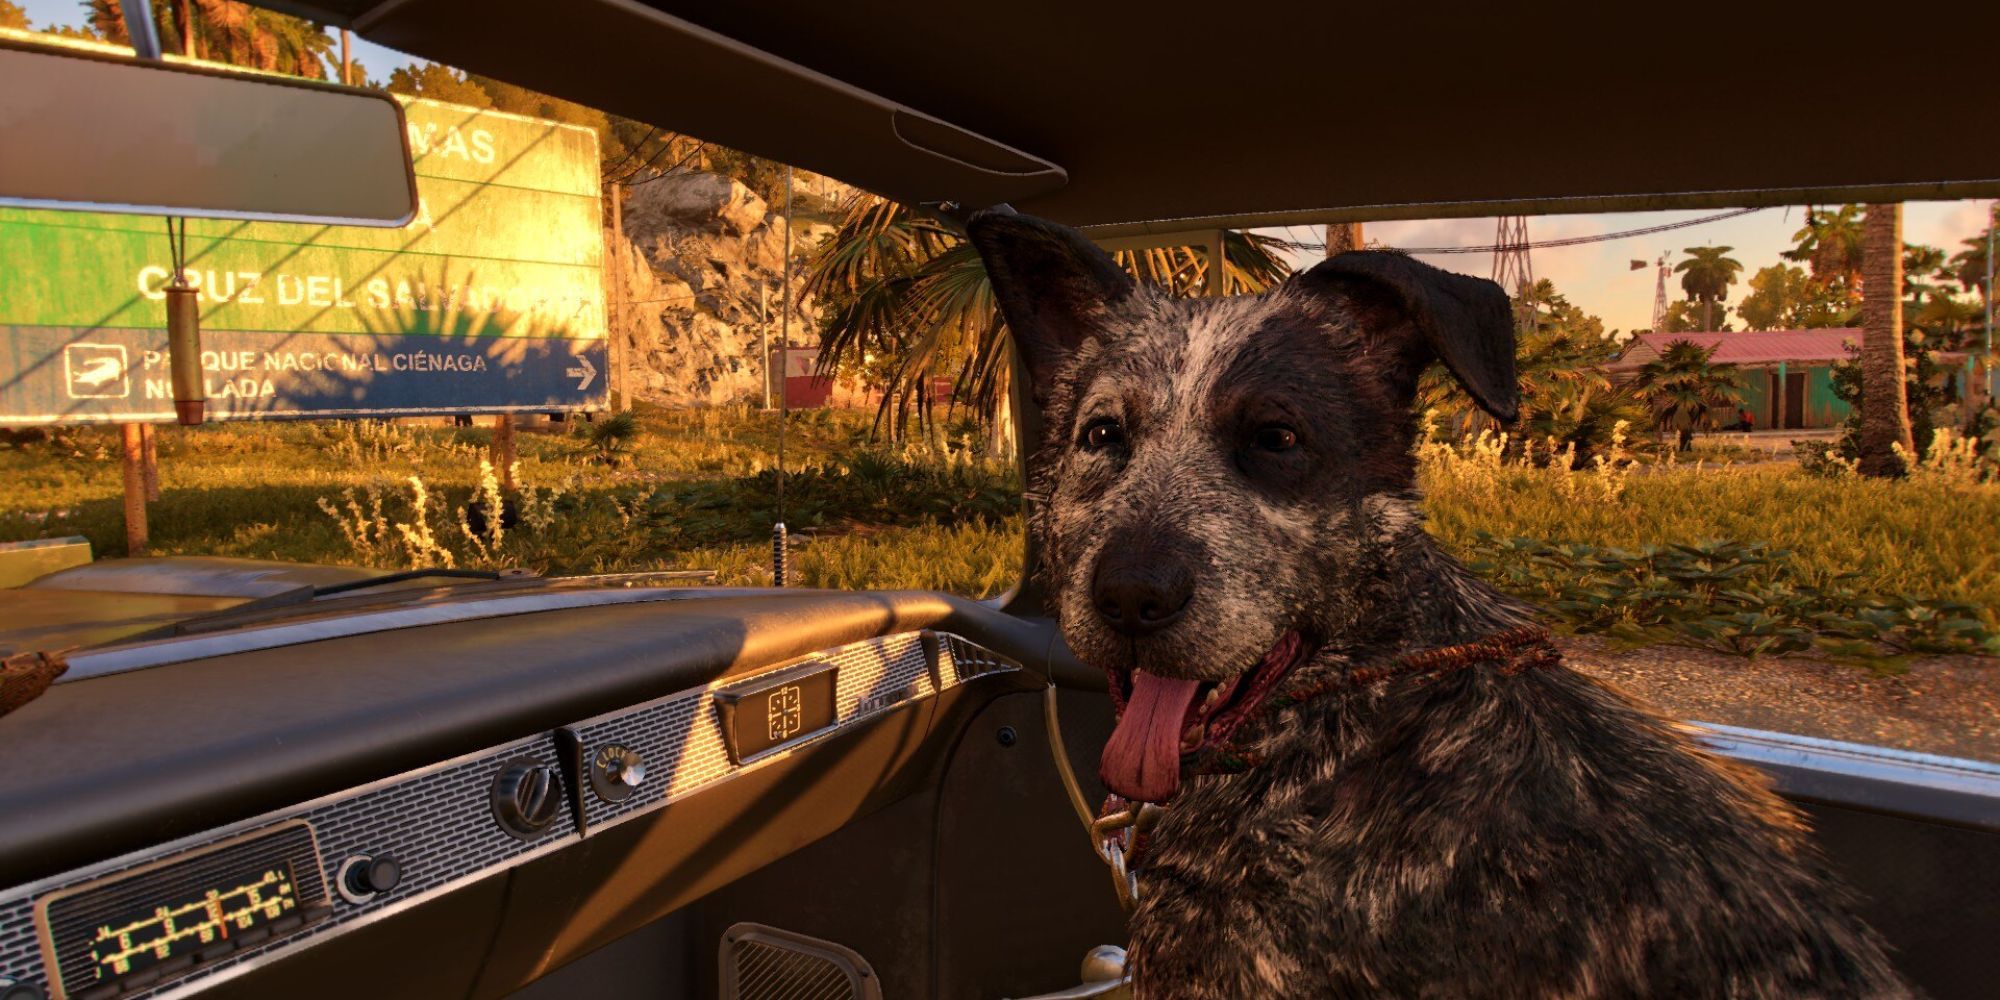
527 797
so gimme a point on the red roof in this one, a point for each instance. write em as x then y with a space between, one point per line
1750 347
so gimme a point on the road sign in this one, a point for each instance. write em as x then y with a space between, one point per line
490 301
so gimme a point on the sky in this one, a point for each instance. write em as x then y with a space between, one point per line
1596 276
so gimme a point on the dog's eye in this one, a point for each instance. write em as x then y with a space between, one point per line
1276 437
1103 432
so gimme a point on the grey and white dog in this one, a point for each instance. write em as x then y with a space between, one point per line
1227 495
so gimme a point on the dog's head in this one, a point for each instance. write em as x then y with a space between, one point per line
1225 481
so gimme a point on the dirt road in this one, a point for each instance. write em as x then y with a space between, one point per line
1944 705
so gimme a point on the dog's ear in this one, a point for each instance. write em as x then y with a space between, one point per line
1466 322
1053 285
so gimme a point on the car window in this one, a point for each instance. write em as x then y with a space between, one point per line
1692 492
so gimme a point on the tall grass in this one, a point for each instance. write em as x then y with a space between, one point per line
1930 536
698 490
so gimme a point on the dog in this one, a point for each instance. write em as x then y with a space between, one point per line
1378 779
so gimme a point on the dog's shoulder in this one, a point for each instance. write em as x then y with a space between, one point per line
1543 816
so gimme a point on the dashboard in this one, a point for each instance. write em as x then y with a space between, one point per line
182 915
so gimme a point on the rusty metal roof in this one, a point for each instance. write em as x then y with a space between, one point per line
1750 347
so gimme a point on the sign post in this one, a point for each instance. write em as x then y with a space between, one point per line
132 454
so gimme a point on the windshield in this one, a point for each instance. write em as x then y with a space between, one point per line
605 347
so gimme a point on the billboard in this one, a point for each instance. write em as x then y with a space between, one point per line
491 300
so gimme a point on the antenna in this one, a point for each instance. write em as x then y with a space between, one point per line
780 544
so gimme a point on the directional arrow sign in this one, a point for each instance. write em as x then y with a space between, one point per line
584 370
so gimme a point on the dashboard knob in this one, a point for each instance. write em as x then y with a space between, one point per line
527 797
371 875
616 771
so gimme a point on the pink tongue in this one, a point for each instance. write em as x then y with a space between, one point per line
1142 760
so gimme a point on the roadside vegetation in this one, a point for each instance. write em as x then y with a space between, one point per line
673 490
1753 559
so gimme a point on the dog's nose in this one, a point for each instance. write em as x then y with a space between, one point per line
1139 593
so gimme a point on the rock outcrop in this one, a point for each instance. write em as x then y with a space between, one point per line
699 280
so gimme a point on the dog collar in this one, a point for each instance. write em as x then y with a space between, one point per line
1513 651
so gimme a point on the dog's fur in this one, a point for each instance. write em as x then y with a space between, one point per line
1467 835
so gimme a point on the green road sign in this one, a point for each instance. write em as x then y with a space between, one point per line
491 300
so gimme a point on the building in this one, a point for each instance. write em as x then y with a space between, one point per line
1786 376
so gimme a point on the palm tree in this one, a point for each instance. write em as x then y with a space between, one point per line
1831 243
231 32
1969 266
1885 418
1945 317
1706 276
903 286
1686 389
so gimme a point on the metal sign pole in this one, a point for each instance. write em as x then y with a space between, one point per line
133 453
621 338
141 478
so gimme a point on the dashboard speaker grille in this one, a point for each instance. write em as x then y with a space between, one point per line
766 963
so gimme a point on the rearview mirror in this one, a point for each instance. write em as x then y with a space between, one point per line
90 131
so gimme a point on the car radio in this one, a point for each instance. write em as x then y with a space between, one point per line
145 926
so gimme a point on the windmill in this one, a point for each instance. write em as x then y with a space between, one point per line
1659 290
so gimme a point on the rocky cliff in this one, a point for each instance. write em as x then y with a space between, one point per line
698 279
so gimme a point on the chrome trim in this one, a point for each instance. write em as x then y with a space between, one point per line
1926 786
158 653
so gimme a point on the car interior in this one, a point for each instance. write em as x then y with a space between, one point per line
612 787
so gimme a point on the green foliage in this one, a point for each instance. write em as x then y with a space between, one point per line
1969 266
903 295
1833 557
1923 388
1706 275
1689 316
1560 354
230 32
610 437
1740 598
1921 536
1831 244
439 83
1686 390
1785 297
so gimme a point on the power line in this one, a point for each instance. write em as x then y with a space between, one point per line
666 144
655 130
682 162
1307 246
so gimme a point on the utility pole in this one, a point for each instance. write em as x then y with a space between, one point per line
1342 237
1513 271
346 61
1660 296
